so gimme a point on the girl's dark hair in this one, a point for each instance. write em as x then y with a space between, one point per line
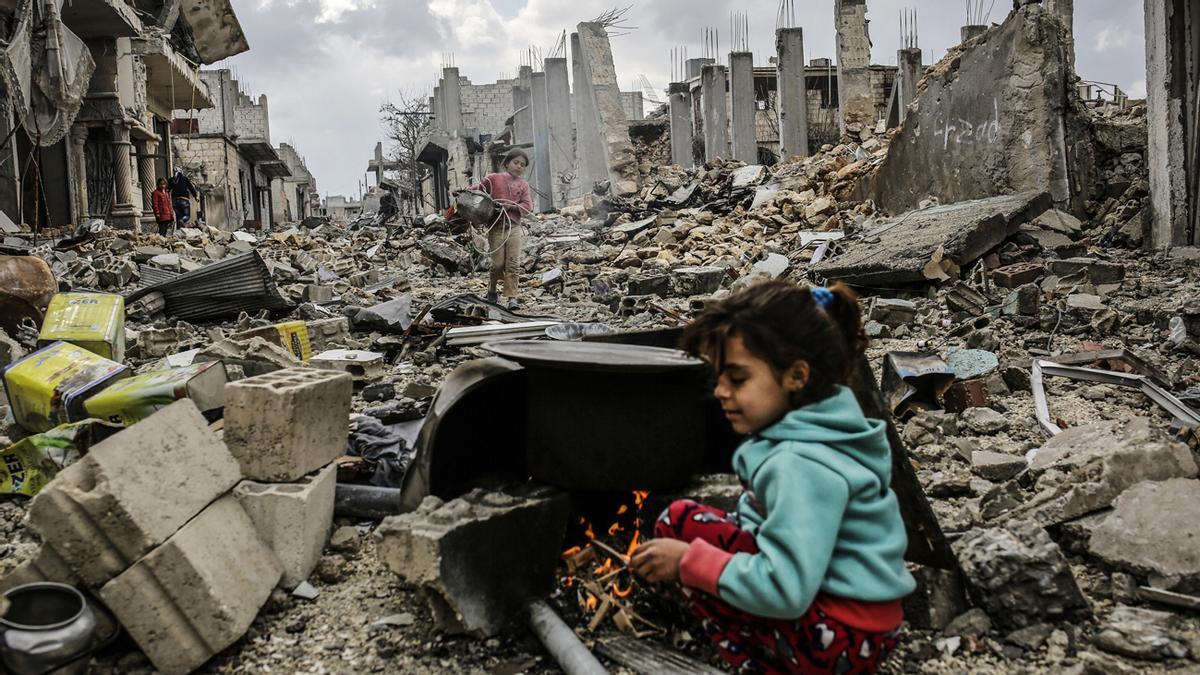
513 154
782 323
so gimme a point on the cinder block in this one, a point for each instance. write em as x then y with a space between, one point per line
198 592
294 519
480 558
132 491
288 423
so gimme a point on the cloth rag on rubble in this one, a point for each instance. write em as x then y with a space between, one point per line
372 440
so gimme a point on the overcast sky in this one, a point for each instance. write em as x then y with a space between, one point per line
327 65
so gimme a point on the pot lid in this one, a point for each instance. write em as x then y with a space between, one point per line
594 356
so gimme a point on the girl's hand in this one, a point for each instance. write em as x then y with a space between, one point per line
658 560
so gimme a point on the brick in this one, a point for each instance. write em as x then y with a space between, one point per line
198 592
479 558
1017 274
132 491
293 519
288 423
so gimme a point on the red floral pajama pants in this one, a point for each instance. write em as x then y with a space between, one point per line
814 643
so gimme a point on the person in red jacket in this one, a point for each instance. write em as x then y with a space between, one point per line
163 211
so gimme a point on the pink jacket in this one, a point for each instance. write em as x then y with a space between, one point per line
508 187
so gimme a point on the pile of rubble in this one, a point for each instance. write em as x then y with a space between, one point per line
258 392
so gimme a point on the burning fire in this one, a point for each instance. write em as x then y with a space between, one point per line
600 572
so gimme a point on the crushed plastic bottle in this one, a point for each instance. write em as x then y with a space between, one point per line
1178 332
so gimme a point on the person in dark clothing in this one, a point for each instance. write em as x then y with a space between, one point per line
182 192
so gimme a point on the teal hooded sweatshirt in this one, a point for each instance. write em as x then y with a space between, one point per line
819 505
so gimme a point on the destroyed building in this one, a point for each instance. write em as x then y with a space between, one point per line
321 448
102 130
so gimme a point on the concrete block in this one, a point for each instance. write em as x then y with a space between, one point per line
689 281
650 284
198 592
479 558
1019 575
288 423
132 491
1154 532
293 519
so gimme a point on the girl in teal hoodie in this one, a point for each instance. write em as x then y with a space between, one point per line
807 575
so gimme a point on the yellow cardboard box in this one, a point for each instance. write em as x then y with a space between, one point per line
94 321
292 336
48 387
136 398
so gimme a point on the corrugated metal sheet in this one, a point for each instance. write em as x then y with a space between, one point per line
149 276
223 289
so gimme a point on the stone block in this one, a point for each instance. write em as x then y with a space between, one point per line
293 519
199 591
132 491
650 284
361 365
689 281
480 558
1098 272
996 466
1154 532
288 423
1019 576
1084 469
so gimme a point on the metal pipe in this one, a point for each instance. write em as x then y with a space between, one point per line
562 642
366 501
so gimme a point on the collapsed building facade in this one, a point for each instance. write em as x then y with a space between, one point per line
244 181
101 131
1033 355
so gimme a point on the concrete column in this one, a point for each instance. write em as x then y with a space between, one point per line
855 96
620 164
716 115
146 174
1173 120
791 97
124 214
541 144
741 93
968 33
452 96
694 66
78 172
439 117
1065 10
523 98
562 142
680 100
588 147
906 79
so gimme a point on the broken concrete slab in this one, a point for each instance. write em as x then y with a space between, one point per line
283 425
995 120
1098 272
132 491
392 316
199 591
293 519
479 558
1145 634
899 250
361 365
996 466
1154 532
1084 469
1019 575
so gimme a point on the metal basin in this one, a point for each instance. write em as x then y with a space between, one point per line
46 625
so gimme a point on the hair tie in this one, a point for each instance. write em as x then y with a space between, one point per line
822 296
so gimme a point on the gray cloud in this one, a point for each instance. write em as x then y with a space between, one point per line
327 65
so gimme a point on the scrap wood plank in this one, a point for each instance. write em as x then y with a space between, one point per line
1148 594
649 658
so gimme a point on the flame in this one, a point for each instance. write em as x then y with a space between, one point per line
571 551
633 543
591 603
622 592
589 532
614 529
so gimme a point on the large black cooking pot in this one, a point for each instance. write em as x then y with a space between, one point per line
613 417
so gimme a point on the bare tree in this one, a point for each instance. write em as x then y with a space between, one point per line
406 122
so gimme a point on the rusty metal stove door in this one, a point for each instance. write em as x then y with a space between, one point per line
98 160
